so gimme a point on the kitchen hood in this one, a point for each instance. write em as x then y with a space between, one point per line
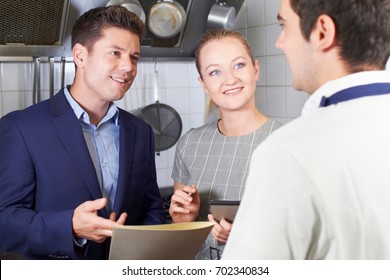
41 28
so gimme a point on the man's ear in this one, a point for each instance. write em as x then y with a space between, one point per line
324 33
79 55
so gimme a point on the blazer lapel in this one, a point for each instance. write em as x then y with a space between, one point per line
126 140
70 132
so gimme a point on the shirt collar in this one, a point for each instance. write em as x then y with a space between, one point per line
82 115
331 87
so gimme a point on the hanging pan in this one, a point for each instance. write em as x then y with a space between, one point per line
132 5
166 18
221 16
164 120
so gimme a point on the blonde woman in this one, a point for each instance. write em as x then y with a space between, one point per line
212 161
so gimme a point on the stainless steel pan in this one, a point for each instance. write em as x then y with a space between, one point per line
132 5
221 16
166 19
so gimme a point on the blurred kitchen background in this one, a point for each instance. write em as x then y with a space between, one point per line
178 84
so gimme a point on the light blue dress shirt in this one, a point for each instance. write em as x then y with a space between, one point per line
103 145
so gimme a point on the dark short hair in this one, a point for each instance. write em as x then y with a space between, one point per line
362 28
89 27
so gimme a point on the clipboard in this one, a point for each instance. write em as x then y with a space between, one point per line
224 209
180 241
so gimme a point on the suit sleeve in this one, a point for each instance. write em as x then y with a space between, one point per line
23 229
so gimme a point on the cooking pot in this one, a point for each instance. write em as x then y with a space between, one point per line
221 16
166 19
132 5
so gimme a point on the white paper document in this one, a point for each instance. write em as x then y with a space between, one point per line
180 241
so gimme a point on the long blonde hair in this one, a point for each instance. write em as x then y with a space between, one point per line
217 34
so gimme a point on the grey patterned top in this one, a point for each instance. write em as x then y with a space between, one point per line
218 165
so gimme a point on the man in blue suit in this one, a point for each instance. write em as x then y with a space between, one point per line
75 166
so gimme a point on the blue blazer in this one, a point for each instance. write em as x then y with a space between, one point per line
46 172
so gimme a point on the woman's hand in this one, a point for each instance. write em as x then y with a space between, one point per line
221 229
185 203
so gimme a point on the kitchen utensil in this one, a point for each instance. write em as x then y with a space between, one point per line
166 18
164 120
37 80
132 5
221 16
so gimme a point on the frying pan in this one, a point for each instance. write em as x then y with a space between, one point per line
166 18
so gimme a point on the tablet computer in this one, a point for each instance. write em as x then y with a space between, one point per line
224 209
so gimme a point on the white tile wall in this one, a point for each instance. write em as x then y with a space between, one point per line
257 39
295 100
178 81
275 96
271 11
241 18
276 101
272 33
275 70
255 12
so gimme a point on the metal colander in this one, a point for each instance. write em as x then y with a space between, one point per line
164 120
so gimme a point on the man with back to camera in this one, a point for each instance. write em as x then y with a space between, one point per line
319 187
75 166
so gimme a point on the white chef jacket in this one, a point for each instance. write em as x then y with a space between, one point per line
319 187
